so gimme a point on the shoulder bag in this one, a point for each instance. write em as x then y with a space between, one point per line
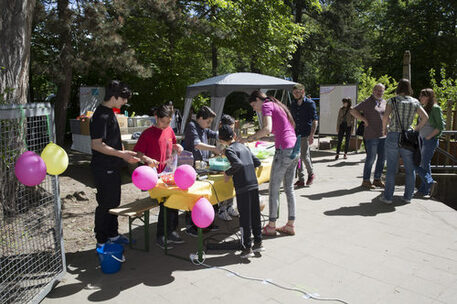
409 139
360 129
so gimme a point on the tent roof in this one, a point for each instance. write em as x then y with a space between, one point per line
223 85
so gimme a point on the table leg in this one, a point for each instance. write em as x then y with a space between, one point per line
165 228
200 245
146 230
130 232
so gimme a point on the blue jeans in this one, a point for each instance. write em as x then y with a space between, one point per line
392 153
374 146
424 171
282 169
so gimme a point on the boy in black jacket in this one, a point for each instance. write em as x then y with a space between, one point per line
243 165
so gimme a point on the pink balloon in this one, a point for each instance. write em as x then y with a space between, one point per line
185 176
144 177
30 169
202 213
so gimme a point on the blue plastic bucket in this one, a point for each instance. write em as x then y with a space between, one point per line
111 257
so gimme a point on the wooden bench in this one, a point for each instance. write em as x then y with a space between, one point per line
137 210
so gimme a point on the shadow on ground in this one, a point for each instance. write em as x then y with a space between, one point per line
334 193
345 163
372 208
152 268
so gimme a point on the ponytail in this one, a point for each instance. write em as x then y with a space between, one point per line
258 94
283 107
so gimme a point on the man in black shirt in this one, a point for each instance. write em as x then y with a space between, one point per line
243 165
108 156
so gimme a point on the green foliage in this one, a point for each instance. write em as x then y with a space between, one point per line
426 28
200 101
445 89
366 82
159 47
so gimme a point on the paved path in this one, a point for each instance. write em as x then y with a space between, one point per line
348 246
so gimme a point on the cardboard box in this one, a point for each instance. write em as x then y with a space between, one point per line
84 126
122 120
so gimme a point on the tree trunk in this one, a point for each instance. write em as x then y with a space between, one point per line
15 32
214 58
64 81
296 57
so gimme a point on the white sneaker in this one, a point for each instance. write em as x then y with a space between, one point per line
224 215
233 212
246 253
385 201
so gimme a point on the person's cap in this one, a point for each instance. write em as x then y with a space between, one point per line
226 133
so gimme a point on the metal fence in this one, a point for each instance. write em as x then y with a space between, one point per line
31 242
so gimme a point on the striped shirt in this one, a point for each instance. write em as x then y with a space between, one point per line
407 107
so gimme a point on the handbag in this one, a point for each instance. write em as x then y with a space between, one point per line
360 129
409 139
344 123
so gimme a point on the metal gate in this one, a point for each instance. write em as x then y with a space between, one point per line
31 242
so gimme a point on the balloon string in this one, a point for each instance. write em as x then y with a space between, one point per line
23 129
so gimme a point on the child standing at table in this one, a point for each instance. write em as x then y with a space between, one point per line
196 136
243 164
226 210
154 148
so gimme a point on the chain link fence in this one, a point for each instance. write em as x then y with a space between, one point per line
31 242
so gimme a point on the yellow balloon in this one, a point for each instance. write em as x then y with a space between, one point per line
55 158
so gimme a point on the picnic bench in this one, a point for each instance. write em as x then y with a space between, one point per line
137 210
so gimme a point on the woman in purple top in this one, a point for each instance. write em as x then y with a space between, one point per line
278 120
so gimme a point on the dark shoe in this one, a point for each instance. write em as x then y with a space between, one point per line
161 243
299 184
419 194
246 253
174 237
378 183
310 180
192 231
120 239
367 185
337 156
385 201
213 227
345 156
258 247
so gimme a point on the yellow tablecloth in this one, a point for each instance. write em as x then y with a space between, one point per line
214 189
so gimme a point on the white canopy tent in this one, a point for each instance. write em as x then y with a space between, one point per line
221 86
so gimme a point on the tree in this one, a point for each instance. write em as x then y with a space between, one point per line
427 28
300 9
79 45
15 33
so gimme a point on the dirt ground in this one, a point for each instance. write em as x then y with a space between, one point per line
77 193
